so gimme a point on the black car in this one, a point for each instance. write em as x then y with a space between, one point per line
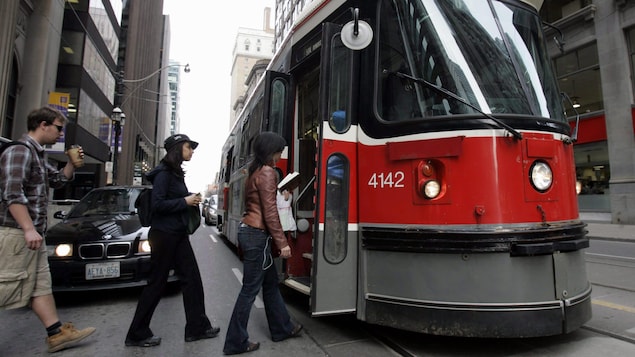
100 243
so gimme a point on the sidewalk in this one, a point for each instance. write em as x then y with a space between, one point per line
600 227
610 231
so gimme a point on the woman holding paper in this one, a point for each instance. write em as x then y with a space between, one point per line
260 222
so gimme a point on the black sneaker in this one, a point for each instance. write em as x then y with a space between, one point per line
209 333
148 342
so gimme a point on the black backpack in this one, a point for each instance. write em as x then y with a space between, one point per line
4 146
143 204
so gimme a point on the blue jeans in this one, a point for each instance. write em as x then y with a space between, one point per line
258 271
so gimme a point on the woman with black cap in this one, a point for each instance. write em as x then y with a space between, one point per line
171 248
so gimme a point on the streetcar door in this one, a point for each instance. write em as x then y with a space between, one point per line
334 275
276 111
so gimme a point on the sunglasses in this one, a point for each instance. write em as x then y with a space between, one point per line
59 127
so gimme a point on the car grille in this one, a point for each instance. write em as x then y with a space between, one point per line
111 250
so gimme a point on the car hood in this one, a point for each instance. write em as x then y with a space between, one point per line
95 228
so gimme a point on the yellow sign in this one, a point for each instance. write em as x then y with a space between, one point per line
59 101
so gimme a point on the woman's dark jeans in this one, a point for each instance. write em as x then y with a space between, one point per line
258 271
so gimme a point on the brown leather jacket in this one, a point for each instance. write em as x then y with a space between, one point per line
261 210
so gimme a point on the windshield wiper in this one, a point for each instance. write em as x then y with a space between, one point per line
451 95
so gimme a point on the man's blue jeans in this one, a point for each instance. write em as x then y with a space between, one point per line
258 271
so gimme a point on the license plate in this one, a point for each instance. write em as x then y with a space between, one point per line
102 270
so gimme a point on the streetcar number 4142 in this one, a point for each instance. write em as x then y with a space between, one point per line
387 179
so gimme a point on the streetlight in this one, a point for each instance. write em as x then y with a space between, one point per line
118 120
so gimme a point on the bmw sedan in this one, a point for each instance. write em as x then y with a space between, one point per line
100 243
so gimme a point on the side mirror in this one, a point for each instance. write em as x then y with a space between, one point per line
356 34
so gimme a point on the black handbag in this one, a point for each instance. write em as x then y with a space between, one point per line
193 219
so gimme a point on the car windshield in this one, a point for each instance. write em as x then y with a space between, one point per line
492 56
106 202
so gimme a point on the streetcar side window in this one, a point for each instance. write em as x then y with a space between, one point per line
277 105
339 86
336 209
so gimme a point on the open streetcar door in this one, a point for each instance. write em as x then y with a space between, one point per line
334 275
277 101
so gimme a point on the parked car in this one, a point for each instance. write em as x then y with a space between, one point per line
209 210
100 243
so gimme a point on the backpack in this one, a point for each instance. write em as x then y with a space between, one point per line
143 204
4 146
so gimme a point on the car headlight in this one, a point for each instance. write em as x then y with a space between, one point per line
60 250
144 247
541 176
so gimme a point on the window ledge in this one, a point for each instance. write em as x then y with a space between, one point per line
585 14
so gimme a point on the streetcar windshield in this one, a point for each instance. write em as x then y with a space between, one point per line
490 53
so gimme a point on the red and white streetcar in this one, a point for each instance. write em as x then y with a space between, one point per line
437 182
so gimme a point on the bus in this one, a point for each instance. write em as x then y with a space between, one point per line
437 180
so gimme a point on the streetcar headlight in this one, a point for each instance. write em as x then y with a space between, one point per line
144 246
431 189
541 176
60 250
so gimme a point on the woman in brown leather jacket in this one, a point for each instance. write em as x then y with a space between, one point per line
260 222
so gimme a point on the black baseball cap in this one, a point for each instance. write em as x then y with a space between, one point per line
177 138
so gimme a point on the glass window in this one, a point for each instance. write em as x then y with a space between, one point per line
105 26
630 37
336 209
579 77
98 70
277 106
339 86
492 57
593 173
71 47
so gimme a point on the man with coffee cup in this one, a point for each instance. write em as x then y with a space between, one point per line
25 178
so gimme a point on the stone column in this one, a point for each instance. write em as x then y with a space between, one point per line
618 97
8 22
41 56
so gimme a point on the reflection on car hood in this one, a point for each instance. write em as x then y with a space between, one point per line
95 228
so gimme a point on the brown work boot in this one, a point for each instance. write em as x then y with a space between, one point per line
67 336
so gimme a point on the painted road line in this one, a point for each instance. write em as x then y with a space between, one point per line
613 305
239 275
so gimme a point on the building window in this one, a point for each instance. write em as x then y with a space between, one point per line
554 10
630 37
578 75
593 173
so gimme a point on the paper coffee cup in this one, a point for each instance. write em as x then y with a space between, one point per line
73 155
